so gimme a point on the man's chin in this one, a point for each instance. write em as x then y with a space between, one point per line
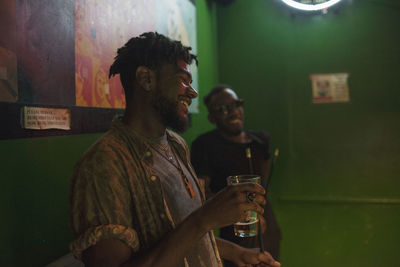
234 131
180 124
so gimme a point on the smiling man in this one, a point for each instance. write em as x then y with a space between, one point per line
224 152
135 199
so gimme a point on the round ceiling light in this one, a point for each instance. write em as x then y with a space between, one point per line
311 7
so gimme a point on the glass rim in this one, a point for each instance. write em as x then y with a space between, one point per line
243 177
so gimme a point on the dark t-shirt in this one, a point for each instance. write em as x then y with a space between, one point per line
216 157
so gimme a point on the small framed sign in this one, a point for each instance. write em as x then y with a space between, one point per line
330 87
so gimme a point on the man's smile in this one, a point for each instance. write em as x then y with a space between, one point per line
185 101
234 121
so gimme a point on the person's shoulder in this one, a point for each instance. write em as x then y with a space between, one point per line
114 143
258 135
103 157
258 132
207 136
96 154
175 137
101 147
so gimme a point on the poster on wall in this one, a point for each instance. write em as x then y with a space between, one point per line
330 88
46 118
102 26
56 54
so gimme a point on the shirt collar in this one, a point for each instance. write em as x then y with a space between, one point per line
135 138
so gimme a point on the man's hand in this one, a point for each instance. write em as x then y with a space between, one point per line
263 223
253 257
245 257
231 204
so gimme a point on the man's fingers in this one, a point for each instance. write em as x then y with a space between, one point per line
268 259
263 223
245 196
248 192
252 206
248 187
260 199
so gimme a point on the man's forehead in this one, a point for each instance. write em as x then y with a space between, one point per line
183 65
231 93
171 69
225 95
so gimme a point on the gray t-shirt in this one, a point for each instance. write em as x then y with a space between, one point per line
178 198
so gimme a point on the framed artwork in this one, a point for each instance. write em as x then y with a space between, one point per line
55 56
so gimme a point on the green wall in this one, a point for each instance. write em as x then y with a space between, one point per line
35 174
34 200
336 183
335 186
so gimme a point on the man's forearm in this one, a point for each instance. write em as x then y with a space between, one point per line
227 249
172 248
169 251
223 209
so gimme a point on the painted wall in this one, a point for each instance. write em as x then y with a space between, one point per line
35 174
336 183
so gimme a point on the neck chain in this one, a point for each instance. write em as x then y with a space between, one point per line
173 159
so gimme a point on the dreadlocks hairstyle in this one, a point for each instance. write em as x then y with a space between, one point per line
151 50
215 90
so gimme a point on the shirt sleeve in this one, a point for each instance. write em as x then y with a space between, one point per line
264 137
100 202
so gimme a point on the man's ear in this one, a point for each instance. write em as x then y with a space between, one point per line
145 77
211 118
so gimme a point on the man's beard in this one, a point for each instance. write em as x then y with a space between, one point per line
169 114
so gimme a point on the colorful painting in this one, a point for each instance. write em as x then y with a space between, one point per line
8 57
57 53
45 47
102 26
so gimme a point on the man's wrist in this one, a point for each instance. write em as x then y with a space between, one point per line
229 250
200 221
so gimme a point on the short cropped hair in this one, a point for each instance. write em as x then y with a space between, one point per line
151 50
215 90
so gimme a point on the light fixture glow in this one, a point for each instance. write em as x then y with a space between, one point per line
310 7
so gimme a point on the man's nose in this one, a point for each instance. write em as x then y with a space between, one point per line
234 110
192 92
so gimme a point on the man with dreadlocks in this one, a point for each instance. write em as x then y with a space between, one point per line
135 199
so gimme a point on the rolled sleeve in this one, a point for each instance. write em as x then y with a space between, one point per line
101 203
94 234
